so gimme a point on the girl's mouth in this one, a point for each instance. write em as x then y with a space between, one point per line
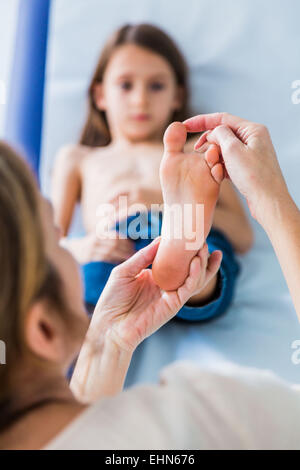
141 117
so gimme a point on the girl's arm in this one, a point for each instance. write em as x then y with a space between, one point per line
66 192
66 184
231 218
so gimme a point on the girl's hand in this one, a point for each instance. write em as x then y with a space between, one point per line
93 248
132 306
111 250
136 195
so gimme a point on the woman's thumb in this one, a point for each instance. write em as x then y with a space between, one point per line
226 139
140 260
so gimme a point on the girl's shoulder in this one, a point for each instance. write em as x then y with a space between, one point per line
73 151
70 156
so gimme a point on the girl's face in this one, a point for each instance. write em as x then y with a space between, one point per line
139 94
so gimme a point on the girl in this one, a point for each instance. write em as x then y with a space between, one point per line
139 87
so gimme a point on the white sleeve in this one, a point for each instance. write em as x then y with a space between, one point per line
238 407
192 408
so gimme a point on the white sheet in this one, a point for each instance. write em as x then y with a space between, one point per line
192 409
244 56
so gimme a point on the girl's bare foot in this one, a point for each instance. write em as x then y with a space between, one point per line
190 191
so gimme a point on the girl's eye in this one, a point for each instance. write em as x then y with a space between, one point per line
157 86
126 85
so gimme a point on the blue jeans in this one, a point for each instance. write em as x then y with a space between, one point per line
148 226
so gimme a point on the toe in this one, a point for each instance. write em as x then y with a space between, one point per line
201 140
212 156
175 137
203 148
218 173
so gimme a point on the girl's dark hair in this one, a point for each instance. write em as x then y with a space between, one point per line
96 131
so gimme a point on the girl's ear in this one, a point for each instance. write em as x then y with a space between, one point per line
44 334
179 98
99 97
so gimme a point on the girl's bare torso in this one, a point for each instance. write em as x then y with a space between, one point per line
107 173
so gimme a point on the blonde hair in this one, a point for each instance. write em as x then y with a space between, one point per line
26 274
22 259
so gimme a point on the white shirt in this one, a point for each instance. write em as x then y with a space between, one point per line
192 408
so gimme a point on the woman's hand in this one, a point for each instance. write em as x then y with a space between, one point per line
132 306
249 157
130 309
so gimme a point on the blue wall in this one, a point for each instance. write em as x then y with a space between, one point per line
24 118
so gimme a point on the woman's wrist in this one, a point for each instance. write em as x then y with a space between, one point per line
102 364
283 230
274 209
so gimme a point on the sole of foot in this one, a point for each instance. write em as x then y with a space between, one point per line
191 188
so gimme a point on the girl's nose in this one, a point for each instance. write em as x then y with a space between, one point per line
139 96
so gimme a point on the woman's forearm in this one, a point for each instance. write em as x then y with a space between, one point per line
102 364
282 224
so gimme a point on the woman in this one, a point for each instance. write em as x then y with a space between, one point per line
43 320
191 408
